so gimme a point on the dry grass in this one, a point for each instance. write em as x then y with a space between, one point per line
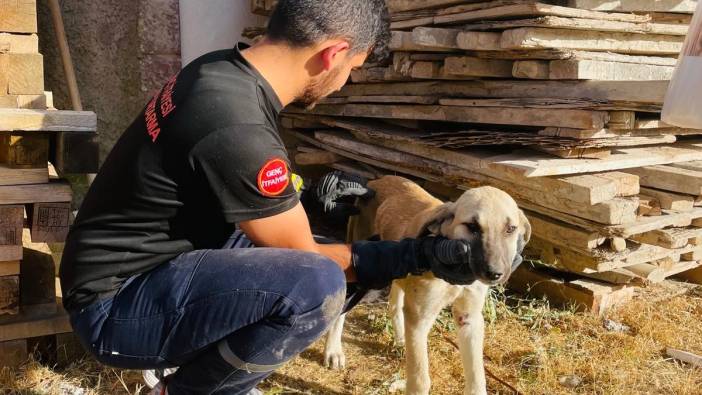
527 344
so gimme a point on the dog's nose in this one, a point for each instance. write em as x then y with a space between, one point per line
493 276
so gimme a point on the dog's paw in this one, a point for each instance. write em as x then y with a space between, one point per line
335 359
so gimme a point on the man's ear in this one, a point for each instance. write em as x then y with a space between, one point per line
331 52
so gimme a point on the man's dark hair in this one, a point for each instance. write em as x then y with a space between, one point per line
364 23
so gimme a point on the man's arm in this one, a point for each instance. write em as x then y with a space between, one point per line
291 229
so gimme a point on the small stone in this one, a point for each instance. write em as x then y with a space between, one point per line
614 326
570 381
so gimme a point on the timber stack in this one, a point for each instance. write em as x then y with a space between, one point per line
37 144
557 103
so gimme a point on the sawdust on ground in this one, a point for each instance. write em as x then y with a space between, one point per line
527 344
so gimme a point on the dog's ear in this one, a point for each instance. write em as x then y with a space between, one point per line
526 226
432 221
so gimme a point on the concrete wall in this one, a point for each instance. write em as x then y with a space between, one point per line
216 26
123 50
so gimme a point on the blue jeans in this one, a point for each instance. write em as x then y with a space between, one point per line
228 318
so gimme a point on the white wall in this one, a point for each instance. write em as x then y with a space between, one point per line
208 25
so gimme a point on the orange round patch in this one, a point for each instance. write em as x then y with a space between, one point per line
273 177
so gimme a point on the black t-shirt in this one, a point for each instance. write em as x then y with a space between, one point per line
203 155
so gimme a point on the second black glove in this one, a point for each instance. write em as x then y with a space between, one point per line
378 263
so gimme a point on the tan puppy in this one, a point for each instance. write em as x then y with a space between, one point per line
402 209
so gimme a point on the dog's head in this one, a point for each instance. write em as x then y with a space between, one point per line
493 224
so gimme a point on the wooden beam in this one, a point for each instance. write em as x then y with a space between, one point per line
18 16
24 150
11 268
670 179
670 200
539 38
53 192
9 295
479 41
37 120
13 354
477 67
554 22
396 6
19 43
531 69
316 158
533 9
11 223
34 323
588 295
649 92
583 119
607 71
49 222
686 6
76 153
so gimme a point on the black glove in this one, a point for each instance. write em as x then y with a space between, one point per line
334 195
377 263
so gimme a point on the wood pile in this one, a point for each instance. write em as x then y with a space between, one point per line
37 143
557 103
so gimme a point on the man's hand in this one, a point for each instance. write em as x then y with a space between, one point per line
334 195
448 259
378 263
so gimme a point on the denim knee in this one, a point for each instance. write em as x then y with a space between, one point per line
322 286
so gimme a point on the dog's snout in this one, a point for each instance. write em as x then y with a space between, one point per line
493 275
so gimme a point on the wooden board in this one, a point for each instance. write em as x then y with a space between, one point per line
630 43
9 176
32 322
38 120
9 295
670 179
23 72
24 150
30 102
535 9
11 268
531 165
76 153
13 354
18 16
11 223
648 92
38 277
583 119
53 192
670 200
396 6
588 295
607 71
49 222
554 22
477 67
671 238
687 6
19 43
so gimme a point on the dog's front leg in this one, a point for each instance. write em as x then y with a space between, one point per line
468 314
423 303
333 352
397 302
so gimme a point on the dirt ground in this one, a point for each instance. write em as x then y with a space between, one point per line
535 348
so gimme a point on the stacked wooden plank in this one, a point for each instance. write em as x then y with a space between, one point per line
33 134
559 105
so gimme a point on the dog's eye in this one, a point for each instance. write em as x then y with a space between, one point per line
473 227
511 229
